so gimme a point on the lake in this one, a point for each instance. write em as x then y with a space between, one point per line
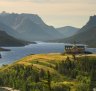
20 52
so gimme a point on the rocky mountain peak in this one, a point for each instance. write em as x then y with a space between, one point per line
92 20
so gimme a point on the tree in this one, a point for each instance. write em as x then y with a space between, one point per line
42 73
49 80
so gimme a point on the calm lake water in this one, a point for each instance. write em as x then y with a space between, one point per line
19 52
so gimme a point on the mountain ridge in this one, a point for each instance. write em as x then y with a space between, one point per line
15 20
86 35
31 27
68 31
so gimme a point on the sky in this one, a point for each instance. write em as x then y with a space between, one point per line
58 13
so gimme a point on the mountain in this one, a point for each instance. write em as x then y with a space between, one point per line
33 32
86 35
8 29
6 40
29 27
68 31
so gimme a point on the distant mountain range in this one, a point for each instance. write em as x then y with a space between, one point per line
68 31
86 35
30 27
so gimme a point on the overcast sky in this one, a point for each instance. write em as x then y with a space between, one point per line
58 13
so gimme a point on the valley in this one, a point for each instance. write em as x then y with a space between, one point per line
34 56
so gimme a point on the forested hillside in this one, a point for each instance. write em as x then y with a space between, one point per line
51 72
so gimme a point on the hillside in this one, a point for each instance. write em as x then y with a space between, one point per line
29 27
68 31
7 40
86 35
50 72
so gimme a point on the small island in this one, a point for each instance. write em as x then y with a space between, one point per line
3 49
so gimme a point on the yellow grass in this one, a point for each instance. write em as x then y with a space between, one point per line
44 57
45 61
